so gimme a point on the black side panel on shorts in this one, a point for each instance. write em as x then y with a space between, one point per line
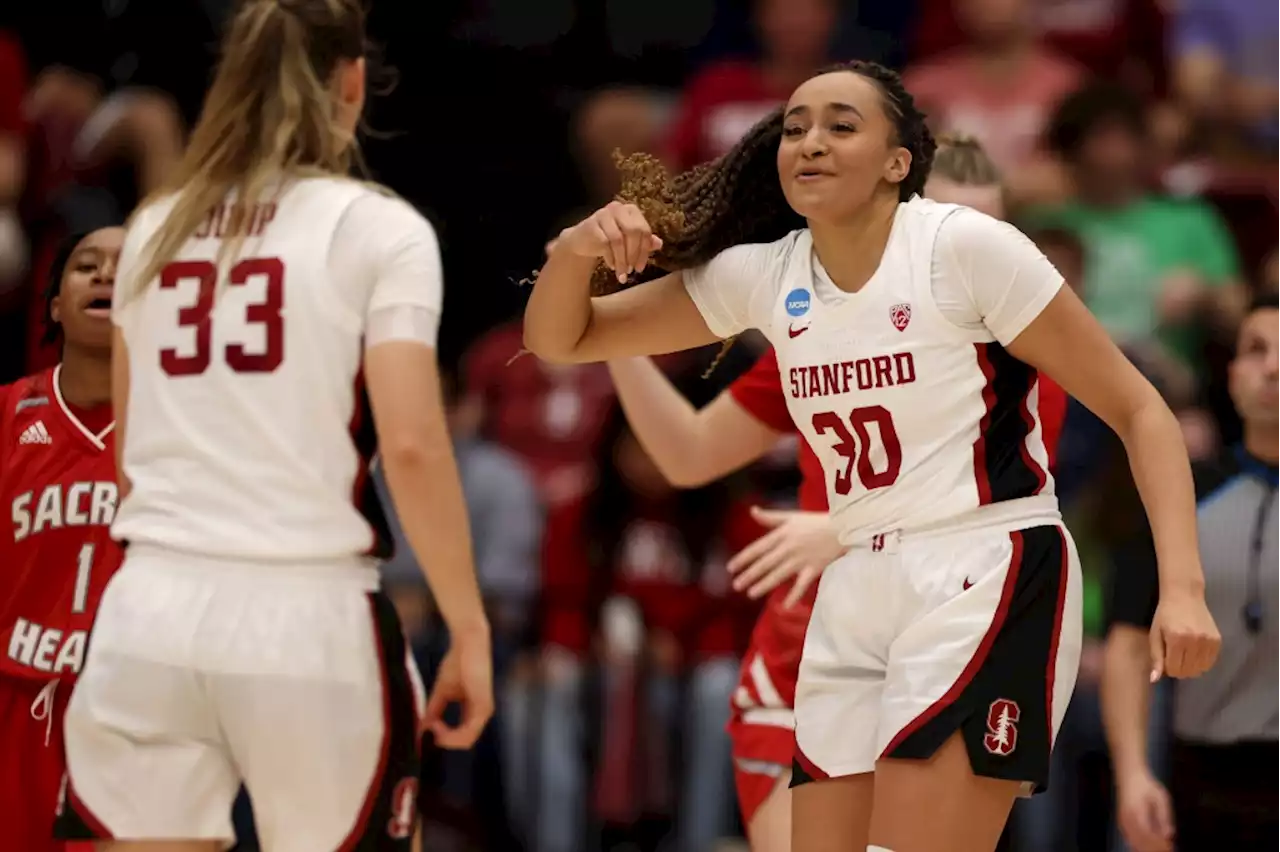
73 820
390 813
1003 711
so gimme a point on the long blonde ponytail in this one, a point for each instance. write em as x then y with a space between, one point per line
269 114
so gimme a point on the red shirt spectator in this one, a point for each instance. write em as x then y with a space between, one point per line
726 99
1000 86
550 417
1112 38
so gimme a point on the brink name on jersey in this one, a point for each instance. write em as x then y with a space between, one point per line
49 649
878 371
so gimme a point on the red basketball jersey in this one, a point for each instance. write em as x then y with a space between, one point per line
58 479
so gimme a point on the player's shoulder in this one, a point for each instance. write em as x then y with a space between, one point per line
966 231
376 214
759 258
27 393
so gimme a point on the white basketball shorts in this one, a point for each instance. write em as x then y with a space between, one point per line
915 637
203 674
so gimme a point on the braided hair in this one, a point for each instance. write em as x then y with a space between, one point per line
738 198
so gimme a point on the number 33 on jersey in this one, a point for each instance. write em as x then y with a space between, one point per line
58 480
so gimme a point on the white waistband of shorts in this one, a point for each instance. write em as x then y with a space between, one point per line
1009 515
349 571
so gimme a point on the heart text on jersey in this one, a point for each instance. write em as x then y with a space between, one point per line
879 371
47 649
80 504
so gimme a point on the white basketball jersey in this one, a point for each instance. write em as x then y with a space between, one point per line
248 434
915 419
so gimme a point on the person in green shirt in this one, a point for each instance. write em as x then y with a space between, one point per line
1158 267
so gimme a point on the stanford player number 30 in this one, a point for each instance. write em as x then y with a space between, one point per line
197 316
855 446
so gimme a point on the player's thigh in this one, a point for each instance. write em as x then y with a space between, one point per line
145 760
993 652
966 812
840 682
832 815
332 762
158 846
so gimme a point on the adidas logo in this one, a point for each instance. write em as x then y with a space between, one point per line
35 434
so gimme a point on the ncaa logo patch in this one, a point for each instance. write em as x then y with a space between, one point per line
798 302
900 315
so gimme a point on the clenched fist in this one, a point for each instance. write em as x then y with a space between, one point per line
616 233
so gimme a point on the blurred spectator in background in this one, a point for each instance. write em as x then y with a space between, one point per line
1225 73
13 240
627 120
550 416
725 99
1000 86
1116 39
663 748
1157 267
93 155
1225 722
506 522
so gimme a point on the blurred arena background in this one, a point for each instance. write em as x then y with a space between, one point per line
1138 141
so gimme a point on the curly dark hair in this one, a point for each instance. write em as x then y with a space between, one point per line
738 198
1080 114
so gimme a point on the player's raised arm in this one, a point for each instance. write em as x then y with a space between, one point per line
690 446
563 323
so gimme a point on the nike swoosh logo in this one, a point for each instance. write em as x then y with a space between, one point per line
793 333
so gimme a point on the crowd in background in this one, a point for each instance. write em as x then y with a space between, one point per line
1137 140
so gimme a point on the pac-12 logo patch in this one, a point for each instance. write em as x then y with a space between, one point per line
798 302
1001 737
900 315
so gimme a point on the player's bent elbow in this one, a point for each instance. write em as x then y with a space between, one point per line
412 456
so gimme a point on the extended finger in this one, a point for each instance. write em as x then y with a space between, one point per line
774 578
636 230
748 555
1155 644
804 579
615 245
769 517
773 560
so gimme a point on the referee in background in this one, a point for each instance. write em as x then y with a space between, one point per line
1223 775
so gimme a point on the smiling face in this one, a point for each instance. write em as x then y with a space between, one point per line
83 304
839 147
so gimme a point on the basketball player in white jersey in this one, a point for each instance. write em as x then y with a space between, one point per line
244 639
739 427
943 646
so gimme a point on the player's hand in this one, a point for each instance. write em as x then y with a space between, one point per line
799 545
618 234
1184 639
465 678
1145 813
